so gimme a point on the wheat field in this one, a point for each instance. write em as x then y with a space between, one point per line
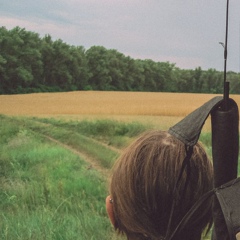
142 106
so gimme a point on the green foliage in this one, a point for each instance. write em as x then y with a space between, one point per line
21 64
29 63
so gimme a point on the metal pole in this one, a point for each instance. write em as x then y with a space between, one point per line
225 83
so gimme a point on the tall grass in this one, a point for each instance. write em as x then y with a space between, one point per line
115 133
94 149
47 192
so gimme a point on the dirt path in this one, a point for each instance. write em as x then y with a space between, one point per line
93 164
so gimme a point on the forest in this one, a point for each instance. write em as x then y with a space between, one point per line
30 63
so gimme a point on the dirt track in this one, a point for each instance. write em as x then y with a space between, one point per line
93 164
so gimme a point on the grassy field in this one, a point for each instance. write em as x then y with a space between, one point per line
56 152
54 176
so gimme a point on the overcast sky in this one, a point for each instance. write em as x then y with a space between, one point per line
185 32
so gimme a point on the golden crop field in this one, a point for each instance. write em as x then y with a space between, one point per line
145 106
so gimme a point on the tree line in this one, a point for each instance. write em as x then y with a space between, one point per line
29 63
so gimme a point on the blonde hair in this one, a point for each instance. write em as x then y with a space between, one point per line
143 182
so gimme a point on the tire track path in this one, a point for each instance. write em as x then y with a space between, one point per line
93 164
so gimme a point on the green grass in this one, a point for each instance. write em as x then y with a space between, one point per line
113 133
46 191
94 149
206 140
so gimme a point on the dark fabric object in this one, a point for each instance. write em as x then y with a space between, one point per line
225 145
189 129
225 153
228 196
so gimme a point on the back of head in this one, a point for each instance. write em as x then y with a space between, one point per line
143 183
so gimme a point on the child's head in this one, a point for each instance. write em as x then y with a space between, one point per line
142 187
